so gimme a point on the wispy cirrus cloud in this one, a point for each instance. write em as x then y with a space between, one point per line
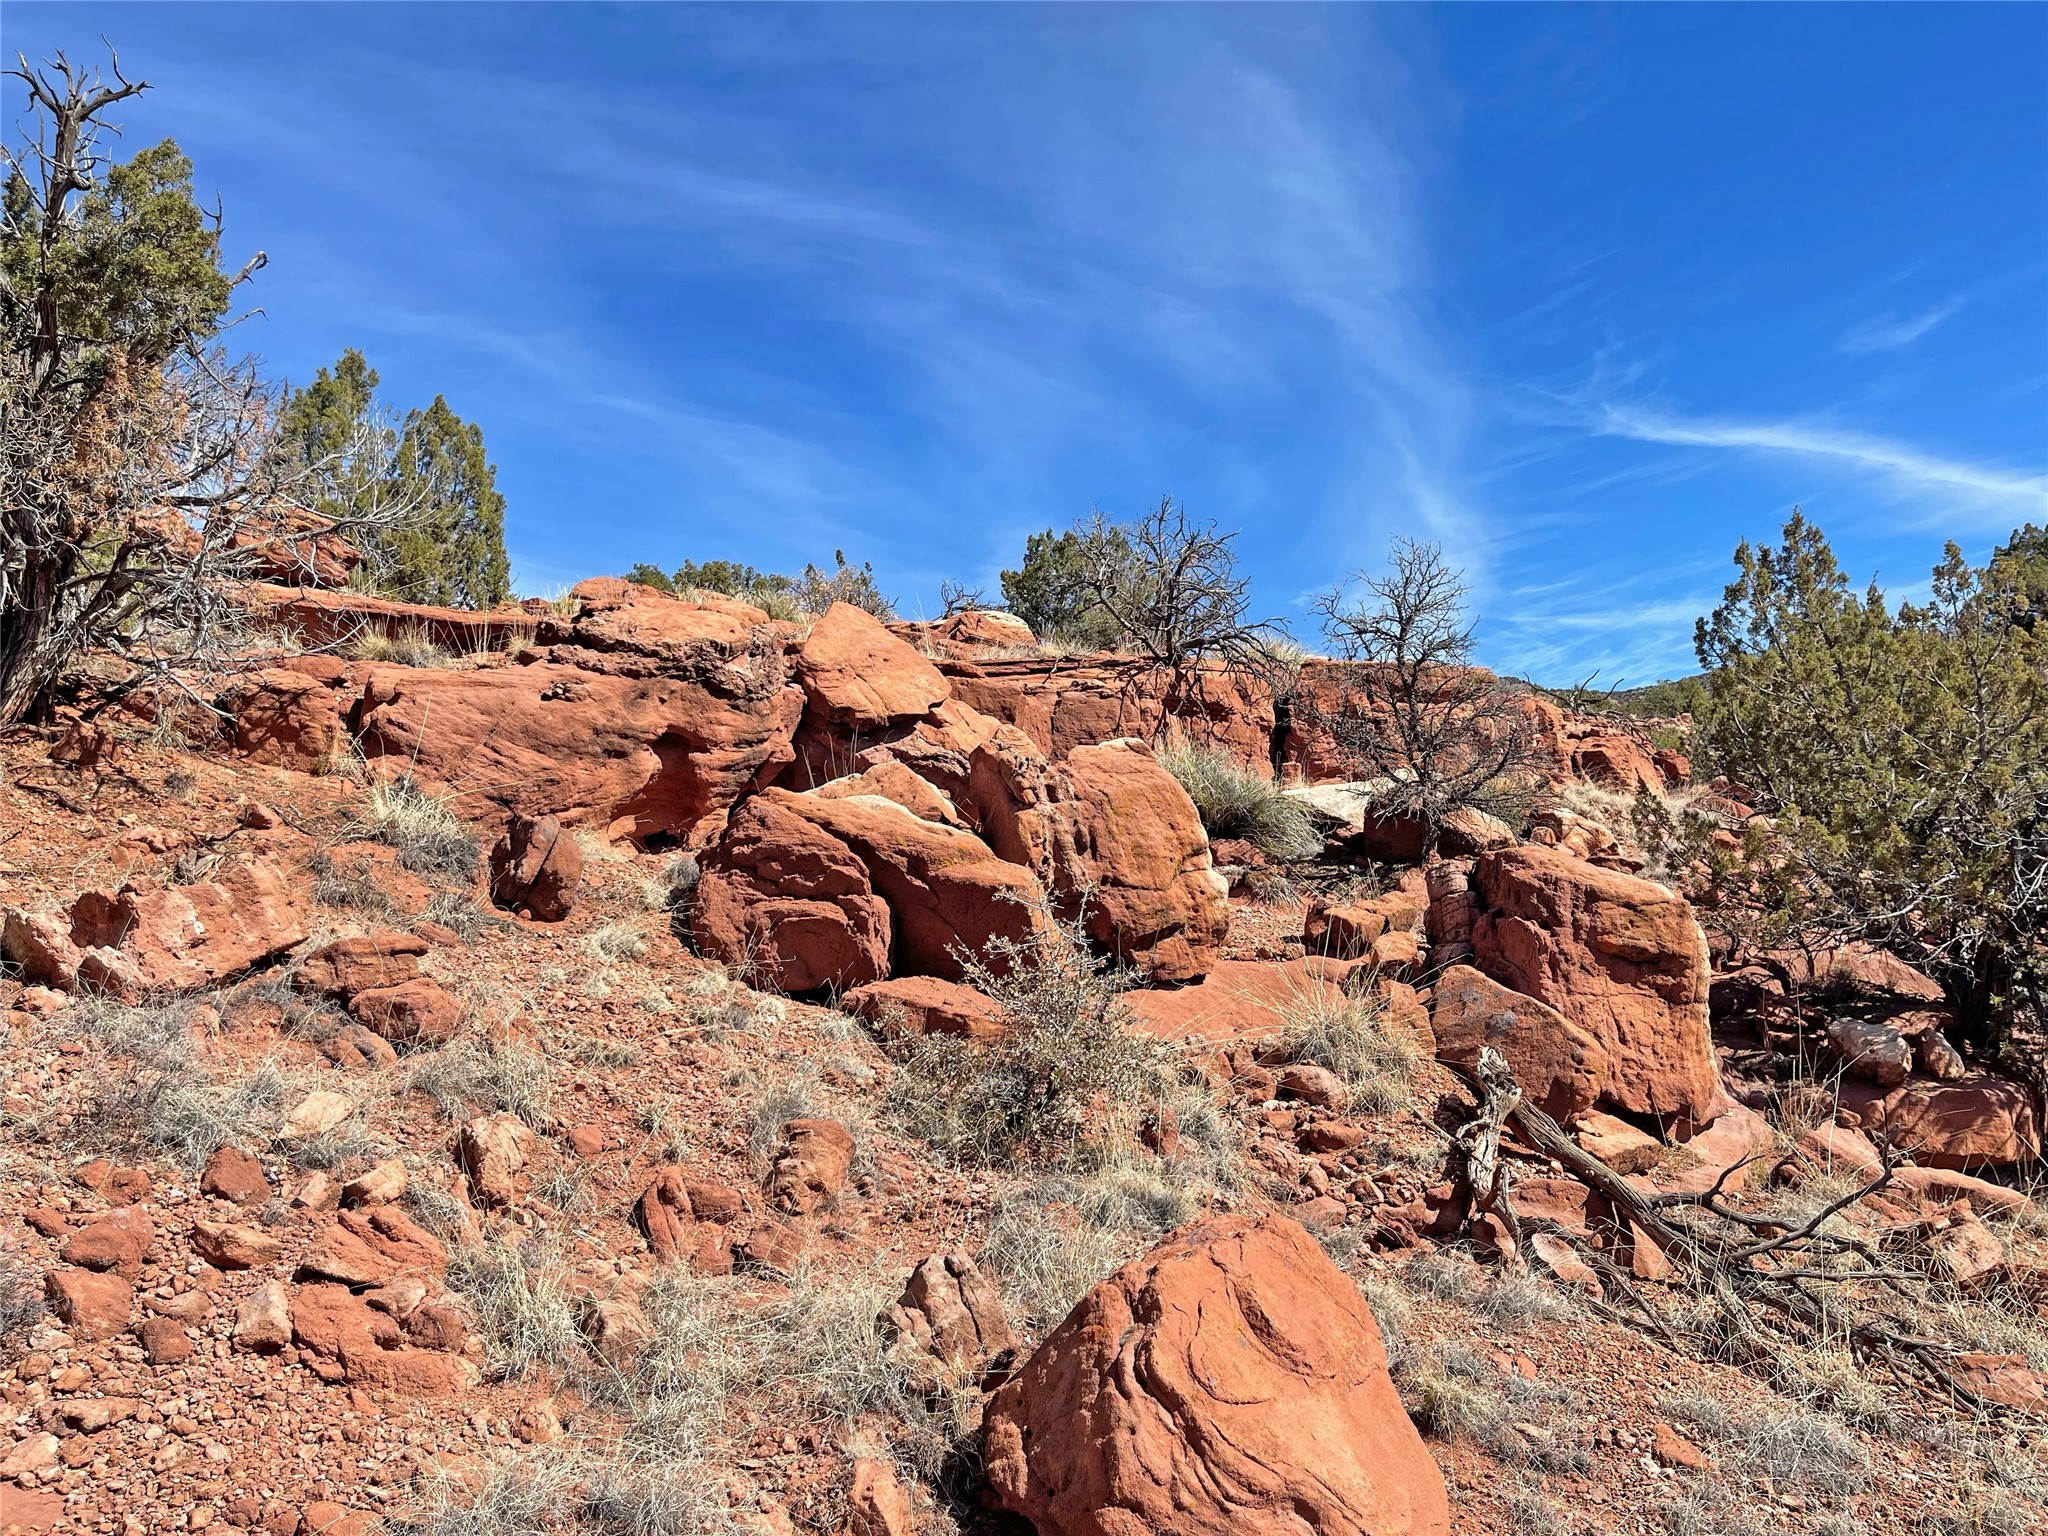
1889 332
1990 485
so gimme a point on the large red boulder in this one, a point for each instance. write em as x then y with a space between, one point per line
1560 1066
1979 1121
855 674
1620 956
781 897
946 890
1110 829
1130 838
1232 1382
643 715
146 938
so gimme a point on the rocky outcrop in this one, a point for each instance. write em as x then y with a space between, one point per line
784 900
292 715
536 869
858 676
644 716
1061 703
1560 1066
1979 1121
147 938
946 891
1229 1383
323 618
1619 956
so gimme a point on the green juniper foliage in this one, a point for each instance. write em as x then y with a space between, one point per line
1904 752
1050 591
451 549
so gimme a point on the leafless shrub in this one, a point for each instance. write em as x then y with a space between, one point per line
1170 585
1065 1066
1412 708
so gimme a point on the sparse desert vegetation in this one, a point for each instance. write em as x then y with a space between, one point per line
701 1055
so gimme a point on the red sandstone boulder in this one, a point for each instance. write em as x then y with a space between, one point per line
1980 1121
857 675
1110 824
949 1311
1560 1067
288 719
783 899
1229 1383
970 634
147 938
95 1305
893 780
1346 930
340 970
926 1005
1241 1000
536 868
1621 957
1133 836
946 891
642 717
811 1167
370 1247
688 1222
347 1339
416 1012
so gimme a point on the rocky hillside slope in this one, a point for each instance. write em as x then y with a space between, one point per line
637 1066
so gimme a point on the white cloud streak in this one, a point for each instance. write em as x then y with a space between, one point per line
1889 332
1899 462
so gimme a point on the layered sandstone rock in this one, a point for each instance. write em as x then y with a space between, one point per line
643 715
1061 703
1229 1383
1619 956
1561 1067
147 938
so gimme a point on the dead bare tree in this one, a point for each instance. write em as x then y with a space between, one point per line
1170 585
141 479
1412 708
1768 1280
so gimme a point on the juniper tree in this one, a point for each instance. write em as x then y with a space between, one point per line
1904 753
140 477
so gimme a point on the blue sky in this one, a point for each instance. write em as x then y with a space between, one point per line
1585 294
